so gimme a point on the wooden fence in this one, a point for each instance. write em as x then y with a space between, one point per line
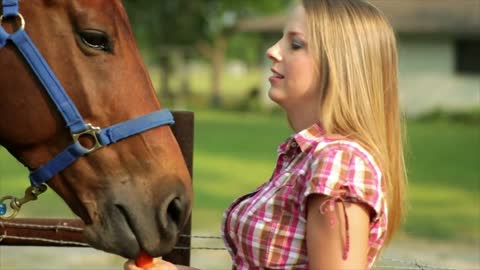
69 232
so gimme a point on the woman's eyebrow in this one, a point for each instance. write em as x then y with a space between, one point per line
294 33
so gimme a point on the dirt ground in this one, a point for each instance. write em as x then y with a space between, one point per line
402 254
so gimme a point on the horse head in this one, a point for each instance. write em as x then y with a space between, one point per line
132 195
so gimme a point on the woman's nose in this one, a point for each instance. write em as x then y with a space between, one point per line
274 53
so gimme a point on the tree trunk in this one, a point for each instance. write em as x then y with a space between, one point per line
216 54
165 72
185 84
218 61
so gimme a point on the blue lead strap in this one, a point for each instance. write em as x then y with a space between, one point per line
107 136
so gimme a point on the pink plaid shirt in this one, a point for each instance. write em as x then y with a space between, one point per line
266 229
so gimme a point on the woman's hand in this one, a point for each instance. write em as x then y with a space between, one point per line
158 264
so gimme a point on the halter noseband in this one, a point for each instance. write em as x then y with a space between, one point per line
67 109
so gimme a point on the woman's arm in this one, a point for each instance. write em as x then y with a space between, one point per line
326 242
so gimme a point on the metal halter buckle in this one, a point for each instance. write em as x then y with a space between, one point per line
92 132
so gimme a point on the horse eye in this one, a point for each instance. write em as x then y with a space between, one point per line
96 40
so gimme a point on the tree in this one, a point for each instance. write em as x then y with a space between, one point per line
205 26
223 16
164 28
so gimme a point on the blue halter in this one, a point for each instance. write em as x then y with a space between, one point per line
67 109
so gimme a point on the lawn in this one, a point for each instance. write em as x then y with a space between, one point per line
443 167
235 152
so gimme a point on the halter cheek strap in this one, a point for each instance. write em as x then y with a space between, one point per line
66 107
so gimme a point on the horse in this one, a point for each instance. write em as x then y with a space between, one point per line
132 195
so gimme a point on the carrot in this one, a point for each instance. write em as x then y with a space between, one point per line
144 260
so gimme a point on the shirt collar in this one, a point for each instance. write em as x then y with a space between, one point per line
305 139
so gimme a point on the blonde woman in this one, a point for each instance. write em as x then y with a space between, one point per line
335 197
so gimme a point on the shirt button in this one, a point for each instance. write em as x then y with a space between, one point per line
294 144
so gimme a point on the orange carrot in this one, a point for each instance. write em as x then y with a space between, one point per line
144 260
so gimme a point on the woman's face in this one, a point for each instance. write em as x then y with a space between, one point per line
293 79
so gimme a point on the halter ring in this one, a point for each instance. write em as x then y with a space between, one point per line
22 21
91 132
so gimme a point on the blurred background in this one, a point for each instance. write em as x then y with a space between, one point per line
208 56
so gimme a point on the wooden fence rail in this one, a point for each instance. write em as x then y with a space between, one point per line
69 232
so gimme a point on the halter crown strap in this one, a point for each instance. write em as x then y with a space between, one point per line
67 109
48 79
43 71
10 8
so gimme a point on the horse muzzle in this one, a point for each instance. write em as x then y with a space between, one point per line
128 225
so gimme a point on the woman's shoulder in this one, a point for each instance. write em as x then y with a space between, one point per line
337 148
343 167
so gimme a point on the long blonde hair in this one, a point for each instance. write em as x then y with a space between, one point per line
355 48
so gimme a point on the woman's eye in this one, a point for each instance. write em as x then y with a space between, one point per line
96 40
297 45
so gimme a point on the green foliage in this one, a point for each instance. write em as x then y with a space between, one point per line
183 22
245 46
165 24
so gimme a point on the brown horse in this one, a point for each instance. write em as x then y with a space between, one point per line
134 194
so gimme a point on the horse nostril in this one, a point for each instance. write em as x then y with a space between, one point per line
174 211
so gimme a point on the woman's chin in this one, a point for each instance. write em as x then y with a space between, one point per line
276 95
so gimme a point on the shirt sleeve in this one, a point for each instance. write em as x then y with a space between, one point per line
345 174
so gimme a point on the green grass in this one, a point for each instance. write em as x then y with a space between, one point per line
443 166
235 152
14 181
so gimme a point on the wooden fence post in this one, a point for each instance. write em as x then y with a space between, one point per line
184 133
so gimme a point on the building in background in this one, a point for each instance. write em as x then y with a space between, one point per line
439 51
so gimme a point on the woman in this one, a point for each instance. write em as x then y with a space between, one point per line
335 197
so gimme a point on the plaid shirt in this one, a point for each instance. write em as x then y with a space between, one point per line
266 229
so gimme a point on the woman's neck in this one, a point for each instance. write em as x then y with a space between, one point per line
301 118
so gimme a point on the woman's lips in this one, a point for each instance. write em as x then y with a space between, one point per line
276 76
276 73
275 79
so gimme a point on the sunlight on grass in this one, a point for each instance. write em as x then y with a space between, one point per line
443 212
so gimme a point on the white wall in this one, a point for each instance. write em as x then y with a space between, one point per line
428 78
